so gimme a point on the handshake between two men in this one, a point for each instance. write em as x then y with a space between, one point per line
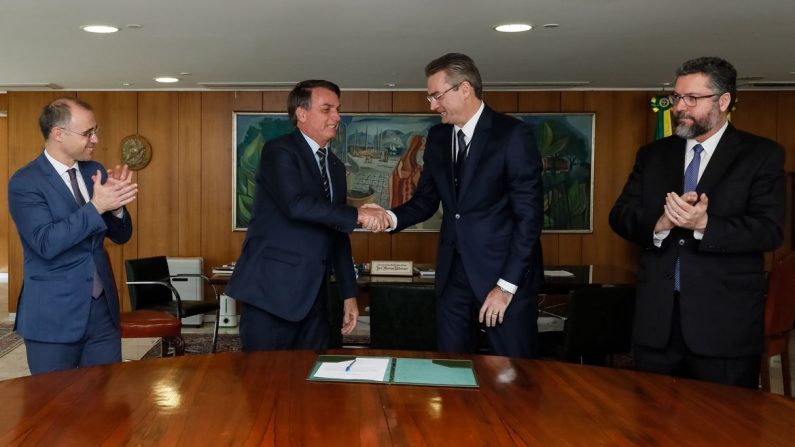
373 217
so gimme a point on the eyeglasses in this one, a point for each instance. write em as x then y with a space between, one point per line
438 96
88 134
690 100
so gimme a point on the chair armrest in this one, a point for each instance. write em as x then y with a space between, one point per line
163 283
206 280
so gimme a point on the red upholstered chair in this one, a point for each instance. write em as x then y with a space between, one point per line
154 323
779 318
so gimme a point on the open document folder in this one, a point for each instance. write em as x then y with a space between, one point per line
394 370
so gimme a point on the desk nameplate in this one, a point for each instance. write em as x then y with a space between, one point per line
392 268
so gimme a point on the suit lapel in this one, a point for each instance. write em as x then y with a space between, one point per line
675 162
87 179
727 150
57 183
307 157
476 147
337 170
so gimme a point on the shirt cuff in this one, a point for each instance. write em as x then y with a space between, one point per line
505 285
698 235
119 214
658 238
393 218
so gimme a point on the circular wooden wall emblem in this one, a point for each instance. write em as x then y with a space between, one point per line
135 152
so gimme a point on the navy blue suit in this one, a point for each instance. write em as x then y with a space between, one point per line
295 237
63 247
490 230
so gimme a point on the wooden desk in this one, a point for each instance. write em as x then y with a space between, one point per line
264 399
584 276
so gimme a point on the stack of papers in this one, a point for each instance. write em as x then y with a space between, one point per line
391 370
225 269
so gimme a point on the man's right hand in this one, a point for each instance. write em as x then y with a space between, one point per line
114 194
373 217
664 223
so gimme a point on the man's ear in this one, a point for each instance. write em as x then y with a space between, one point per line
723 101
300 114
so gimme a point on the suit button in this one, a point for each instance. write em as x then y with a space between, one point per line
682 242
457 216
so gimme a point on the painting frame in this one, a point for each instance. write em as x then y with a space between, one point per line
379 148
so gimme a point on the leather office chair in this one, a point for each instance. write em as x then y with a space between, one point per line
779 318
153 323
403 316
149 283
599 324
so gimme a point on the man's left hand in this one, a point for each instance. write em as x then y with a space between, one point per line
350 314
686 215
493 310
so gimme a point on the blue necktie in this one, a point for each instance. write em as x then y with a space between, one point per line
691 180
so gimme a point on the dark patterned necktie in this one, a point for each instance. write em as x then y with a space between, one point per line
96 288
75 187
460 158
691 180
321 155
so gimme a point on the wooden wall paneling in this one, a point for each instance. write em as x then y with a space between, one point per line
539 101
117 116
420 247
219 244
505 102
274 101
189 173
379 102
4 175
785 126
620 132
354 101
158 182
755 112
25 143
410 102
785 135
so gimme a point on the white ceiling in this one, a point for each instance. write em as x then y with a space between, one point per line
367 44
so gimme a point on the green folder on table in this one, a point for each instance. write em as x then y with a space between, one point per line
394 370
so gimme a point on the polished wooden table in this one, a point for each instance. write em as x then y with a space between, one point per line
239 399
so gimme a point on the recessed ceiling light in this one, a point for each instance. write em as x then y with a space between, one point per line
166 79
184 73
126 84
389 84
99 29
513 28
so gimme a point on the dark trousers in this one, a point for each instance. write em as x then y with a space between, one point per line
677 359
101 344
458 327
263 331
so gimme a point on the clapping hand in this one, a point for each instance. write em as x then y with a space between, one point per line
117 191
373 217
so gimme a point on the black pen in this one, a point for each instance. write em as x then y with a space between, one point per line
348 368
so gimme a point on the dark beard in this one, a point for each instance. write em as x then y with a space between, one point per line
699 126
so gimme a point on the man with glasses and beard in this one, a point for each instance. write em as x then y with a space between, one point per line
704 205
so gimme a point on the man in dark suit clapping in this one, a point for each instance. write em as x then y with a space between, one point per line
704 204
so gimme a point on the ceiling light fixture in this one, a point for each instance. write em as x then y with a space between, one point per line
166 79
99 29
513 28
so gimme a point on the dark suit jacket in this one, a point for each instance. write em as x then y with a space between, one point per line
495 222
62 244
295 234
722 276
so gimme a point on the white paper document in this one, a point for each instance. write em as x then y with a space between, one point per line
558 273
360 368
